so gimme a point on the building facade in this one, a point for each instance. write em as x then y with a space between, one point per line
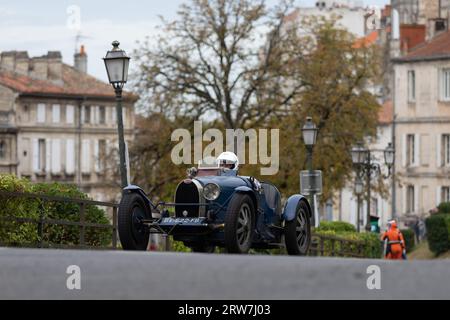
422 127
58 124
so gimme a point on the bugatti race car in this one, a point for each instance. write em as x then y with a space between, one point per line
213 207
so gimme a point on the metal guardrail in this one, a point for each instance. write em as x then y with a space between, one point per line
317 247
82 223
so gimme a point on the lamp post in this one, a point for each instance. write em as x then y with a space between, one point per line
358 191
309 132
117 63
362 159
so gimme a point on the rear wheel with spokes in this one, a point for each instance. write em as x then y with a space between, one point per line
298 231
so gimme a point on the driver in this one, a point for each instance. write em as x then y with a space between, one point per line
228 161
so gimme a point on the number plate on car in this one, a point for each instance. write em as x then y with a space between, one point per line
182 220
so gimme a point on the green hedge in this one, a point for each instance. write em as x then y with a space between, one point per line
438 231
337 226
444 207
15 233
410 239
371 243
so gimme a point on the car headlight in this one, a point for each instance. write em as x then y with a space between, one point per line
211 191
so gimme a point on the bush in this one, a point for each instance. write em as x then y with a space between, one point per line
410 239
438 233
444 207
371 247
15 233
12 232
337 226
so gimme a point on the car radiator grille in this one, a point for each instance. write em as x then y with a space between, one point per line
187 193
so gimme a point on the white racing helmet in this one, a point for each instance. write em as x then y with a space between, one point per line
228 158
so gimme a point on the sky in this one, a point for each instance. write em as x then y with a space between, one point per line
51 25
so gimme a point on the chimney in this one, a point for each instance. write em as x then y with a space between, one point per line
39 68
80 60
8 60
54 60
22 63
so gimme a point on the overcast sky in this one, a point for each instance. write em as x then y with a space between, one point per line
40 26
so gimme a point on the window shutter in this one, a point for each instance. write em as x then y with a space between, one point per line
92 120
404 155
70 156
83 114
97 114
48 155
438 150
405 199
416 199
56 113
56 155
70 114
35 155
41 113
96 156
114 116
85 156
438 195
417 150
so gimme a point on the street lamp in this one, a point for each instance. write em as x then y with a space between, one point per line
359 186
309 131
389 156
361 158
117 63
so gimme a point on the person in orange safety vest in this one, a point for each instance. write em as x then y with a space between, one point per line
395 242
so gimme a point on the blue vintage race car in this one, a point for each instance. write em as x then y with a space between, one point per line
215 207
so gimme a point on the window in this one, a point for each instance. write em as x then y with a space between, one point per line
446 149
410 201
85 157
2 149
100 156
445 85
411 86
102 115
70 114
410 149
445 194
86 114
70 157
40 113
41 155
56 113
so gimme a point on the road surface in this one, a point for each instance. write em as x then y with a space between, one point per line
42 274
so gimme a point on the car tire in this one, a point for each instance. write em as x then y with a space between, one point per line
133 235
239 224
297 233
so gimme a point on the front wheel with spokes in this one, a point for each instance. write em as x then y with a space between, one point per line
239 224
298 231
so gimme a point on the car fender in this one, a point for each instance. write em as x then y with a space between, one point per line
250 192
139 190
290 208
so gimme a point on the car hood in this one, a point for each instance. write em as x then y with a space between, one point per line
224 181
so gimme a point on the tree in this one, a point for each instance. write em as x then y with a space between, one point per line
215 59
337 77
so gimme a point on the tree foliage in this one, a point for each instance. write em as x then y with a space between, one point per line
210 64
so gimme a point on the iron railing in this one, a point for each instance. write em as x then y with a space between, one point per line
319 241
43 220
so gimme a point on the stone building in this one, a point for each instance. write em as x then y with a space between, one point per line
422 126
57 123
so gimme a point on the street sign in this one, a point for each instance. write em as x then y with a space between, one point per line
310 182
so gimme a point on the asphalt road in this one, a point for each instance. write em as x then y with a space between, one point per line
41 274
